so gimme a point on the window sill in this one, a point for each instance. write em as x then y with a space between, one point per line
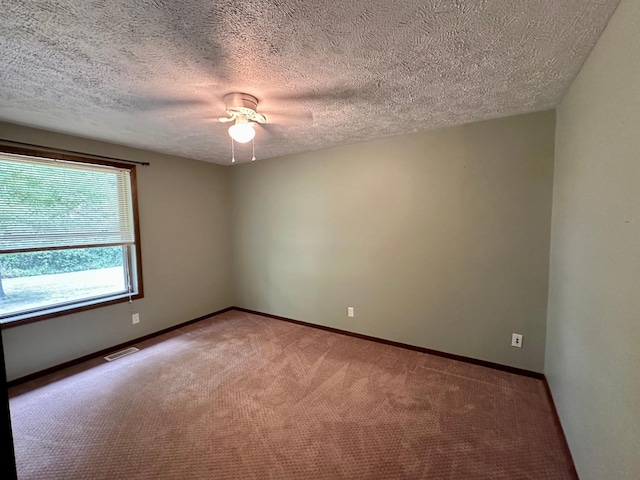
30 317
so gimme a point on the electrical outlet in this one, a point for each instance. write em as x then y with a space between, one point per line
516 340
135 318
350 312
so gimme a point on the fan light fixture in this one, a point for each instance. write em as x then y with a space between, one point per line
242 132
241 109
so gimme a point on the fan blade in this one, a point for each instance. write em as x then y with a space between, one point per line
335 93
146 103
296 117
367 92
270 129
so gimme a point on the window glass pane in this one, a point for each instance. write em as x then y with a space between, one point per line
35 280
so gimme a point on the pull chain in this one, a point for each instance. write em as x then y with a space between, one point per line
127 271
233 152
253 158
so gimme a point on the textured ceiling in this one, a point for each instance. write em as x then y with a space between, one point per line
152 73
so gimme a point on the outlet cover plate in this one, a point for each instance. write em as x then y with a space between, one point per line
135 318
516 340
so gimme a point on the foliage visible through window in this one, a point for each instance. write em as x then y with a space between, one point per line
67 235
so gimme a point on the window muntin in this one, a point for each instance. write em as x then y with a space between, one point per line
68 235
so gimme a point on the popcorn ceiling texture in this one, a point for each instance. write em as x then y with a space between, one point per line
152 73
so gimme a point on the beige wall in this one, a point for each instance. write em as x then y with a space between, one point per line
438 239
593 340
185 222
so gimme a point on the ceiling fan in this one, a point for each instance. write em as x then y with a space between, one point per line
242 109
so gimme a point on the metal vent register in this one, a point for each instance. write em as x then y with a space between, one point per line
122 353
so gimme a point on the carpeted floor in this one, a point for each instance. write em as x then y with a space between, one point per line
241 396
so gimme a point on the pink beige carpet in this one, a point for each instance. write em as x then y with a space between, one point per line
241 396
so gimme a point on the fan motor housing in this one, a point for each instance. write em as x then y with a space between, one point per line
238 104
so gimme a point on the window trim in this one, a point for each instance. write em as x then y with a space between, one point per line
52 312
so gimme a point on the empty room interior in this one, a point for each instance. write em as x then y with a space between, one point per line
289 239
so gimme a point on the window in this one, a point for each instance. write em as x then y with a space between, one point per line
68 234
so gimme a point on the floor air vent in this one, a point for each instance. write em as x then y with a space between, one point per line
120 354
